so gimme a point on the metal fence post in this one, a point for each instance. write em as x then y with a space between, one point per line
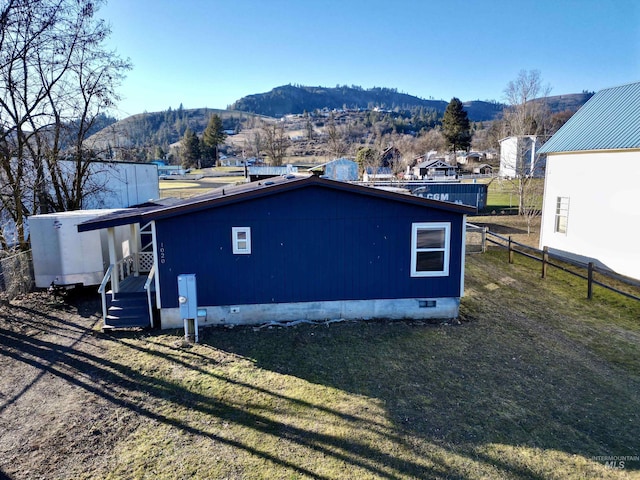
590 281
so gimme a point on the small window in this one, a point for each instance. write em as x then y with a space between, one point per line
241 240
430 249
562 215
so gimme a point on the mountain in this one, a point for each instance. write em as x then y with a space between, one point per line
571 102
161 129
296 99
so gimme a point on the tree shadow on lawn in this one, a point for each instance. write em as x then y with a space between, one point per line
463 387
125 387
458 388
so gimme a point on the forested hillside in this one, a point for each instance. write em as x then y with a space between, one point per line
161 129
290 99
364 115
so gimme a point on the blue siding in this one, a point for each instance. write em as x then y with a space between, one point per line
474 194
310 244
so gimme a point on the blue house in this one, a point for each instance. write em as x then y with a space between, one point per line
291 248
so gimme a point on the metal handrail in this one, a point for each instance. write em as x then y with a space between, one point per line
102 291
147 287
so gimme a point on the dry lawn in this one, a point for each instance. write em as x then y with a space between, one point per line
536 382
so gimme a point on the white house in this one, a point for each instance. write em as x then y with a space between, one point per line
592 183
520 155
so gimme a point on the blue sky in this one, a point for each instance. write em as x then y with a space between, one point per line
209 53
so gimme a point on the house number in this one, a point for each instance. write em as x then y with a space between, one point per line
162 257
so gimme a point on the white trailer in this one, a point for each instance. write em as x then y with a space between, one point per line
63 256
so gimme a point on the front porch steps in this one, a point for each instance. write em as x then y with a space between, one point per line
129 308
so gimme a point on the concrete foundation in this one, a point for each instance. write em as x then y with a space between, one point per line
392 309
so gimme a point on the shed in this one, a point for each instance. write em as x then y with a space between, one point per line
591 189
304 248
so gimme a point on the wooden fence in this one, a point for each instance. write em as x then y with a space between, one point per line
585 271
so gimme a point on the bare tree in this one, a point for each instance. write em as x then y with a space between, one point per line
531 202
337 146
407 146
55 79
254 143
276 142
526 112
525 118
430 140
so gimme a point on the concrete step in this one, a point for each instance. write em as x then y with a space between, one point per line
114 323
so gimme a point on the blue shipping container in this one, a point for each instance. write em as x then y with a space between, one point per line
473 194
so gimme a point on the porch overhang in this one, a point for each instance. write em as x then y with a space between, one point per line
115 219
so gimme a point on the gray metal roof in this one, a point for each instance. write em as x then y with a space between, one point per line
270 170
610 120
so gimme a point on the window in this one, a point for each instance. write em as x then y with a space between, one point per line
562 215
241 240
430 249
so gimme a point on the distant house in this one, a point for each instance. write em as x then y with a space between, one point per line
377 173
520 156
297 248
390 157
590 210
483 169
231 161
434 169
471 157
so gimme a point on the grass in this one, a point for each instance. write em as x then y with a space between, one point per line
502 195
190 188
535 383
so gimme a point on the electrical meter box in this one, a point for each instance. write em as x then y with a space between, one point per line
187 297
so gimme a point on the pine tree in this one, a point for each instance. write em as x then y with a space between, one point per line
212 137
455 126
190 152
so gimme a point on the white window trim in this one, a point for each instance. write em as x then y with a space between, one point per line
414 250
561 213
235 241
